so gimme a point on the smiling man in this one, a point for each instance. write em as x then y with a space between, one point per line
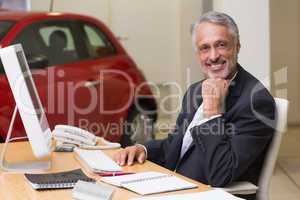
220 136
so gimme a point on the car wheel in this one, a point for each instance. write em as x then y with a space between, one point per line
138 129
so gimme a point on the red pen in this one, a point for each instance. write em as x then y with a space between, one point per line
114 173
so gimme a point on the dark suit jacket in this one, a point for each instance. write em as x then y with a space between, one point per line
225 149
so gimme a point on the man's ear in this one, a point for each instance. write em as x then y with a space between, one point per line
238 46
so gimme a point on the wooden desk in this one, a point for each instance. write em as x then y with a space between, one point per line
14 186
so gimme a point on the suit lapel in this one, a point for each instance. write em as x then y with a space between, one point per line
194 102
234 93
235 88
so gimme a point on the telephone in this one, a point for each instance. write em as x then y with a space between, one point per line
70 136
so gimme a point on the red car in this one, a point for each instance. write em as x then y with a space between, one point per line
83 75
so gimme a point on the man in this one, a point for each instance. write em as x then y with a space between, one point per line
219 136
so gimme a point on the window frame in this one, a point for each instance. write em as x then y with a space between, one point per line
13 23
85 40
68 23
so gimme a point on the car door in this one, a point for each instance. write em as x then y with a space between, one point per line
112 80
69 99
34 54
61 85
7 102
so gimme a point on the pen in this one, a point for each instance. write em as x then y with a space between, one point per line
114 173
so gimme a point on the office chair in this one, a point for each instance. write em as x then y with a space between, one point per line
262 191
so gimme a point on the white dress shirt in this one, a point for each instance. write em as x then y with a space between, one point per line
197 120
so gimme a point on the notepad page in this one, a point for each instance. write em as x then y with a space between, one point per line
164 184
207 195
97 160
119 180
150 182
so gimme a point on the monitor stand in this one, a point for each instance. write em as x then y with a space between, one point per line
21 166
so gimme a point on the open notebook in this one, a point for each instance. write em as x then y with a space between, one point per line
149 182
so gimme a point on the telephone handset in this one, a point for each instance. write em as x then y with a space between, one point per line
65 134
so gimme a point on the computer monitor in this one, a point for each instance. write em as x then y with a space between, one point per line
27 100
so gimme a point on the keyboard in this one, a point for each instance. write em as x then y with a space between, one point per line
96 161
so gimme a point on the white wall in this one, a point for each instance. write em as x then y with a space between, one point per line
151 31
96 8
190 71
15 4
39 5
252 18
158 37
285 51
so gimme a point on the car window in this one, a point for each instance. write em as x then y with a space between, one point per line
48 43
46 33
1 68
60 44
98 45
5 27
33 47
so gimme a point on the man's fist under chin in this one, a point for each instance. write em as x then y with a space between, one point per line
214 92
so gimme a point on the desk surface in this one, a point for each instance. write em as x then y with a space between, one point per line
14 185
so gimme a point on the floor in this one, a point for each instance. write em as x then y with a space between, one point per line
285 183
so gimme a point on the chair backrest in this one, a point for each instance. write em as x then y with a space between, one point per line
271 157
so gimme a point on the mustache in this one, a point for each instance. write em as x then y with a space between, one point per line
216 62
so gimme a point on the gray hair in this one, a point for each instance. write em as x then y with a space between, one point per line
219 19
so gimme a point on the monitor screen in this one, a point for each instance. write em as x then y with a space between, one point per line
27 99
29 83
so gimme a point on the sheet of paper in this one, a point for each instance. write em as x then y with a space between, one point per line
118 180
208 195
92 191
242 187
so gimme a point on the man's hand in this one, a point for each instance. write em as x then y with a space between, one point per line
214 92
129 154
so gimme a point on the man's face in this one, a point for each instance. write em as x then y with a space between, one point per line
217 50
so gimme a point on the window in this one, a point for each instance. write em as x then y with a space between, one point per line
1 68
4 28
59 43
47 31
33 48
48 43
97 43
